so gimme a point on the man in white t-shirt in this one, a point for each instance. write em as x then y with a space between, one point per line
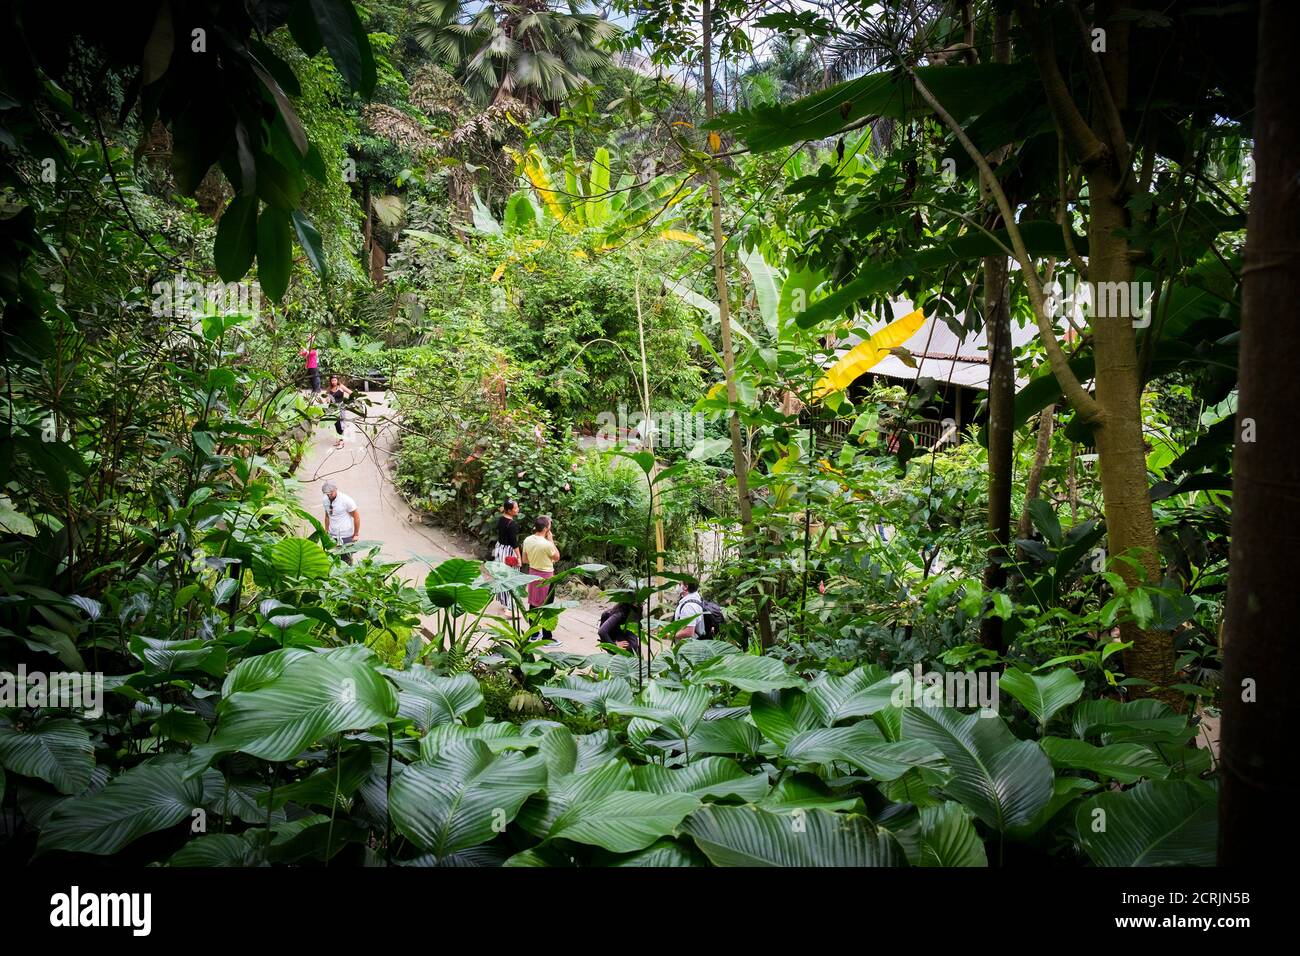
341 516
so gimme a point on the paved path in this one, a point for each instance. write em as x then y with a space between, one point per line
364 470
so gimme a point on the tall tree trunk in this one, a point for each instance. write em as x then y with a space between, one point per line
1103 151
1261 666
1001 431
738 453
1002 391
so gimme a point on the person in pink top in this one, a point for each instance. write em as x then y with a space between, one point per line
313 366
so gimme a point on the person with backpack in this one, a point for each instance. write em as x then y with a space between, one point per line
707 616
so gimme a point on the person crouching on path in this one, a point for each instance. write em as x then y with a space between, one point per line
341 516
540 553
312 358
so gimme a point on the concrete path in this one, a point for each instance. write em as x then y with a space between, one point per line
364 470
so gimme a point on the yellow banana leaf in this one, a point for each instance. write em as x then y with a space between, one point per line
680 236
866 355
535 172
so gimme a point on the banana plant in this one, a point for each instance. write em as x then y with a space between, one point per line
579 198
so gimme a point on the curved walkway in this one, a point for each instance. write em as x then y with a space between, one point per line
363 469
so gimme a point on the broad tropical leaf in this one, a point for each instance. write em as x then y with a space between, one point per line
1042 694
1156 823
1127 763
747 672
1004 781
311 697
464 796
149 797
709 777
56 751
748 836
300 558
624 821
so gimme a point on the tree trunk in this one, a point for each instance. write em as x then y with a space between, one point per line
1001 430
1042 451
1261 667
738 453
1002 392
1121 448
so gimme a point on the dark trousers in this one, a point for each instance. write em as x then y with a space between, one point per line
315 379
346 556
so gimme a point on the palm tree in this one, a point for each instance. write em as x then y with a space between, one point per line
535 51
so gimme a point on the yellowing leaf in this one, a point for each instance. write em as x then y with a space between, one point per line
679 236
715 142
866 355
501 270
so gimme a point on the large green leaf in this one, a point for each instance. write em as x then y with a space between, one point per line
663 853
863 746
566 790
311 697
709 777
589 693
300 558
147 798
217 849
748 836
964 93
236 243
430 699
1042 694
767 289
1156 823
783 714
725 735
948 837
860 693
1004 781
624 821
1134 721
274 252
56 751
1127 763
747 672
660 706
464 796
310 240
345 38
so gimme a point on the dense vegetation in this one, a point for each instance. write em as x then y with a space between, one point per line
542 229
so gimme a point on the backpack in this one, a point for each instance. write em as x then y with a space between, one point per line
713 619
711 614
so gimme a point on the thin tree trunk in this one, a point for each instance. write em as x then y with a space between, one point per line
1042 451
1261 667
1001 431
1002 396
738 453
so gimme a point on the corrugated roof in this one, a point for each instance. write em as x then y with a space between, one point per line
939 353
